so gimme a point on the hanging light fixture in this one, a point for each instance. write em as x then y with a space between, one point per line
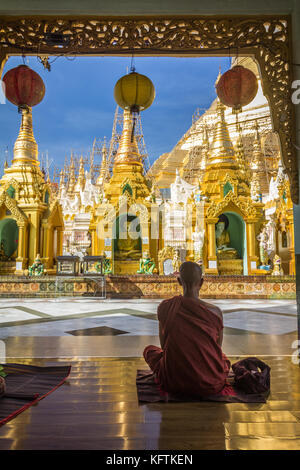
237 87
134 92
23 87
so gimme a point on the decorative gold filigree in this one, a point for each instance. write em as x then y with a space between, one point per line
11 205
140 211
55 211
267 38
168 252
247 208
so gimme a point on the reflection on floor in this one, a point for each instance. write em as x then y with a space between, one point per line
98 409
104 341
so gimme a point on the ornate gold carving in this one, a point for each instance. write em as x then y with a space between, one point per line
55 210
246 207
11 205
267 38
168 252
230 266
140 210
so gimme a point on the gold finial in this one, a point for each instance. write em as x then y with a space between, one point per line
26 148
128 150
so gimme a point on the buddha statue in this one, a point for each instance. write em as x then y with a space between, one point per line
128 248
224 250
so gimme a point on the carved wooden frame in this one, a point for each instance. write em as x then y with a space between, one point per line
266 38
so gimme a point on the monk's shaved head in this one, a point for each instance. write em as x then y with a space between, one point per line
190 273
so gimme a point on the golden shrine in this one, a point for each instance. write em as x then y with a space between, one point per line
31 220
120 225
232 218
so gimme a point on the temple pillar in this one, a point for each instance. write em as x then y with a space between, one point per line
60 233
291 250
212 265
21 260
94 242
190 223
34 236
145 233
44 255
251 247
100 245
47 245
50 239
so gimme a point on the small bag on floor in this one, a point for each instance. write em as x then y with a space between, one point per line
252 375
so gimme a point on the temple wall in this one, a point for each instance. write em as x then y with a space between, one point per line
146 286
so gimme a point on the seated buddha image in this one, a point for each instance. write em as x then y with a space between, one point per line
129 247
224 250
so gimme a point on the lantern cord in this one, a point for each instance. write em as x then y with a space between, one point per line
132 66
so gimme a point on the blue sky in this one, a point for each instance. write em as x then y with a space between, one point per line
79 103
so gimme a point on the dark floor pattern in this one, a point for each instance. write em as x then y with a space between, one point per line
97 331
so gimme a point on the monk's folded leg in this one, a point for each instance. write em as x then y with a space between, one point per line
152 355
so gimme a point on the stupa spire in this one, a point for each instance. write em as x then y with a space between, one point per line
222 151
240 151
256 165
104 166
81 176
128 150
72 179
26 148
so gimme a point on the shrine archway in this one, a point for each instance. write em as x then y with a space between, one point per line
9 234
238 239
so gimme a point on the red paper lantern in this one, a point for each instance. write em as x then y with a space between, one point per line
23 86
237 87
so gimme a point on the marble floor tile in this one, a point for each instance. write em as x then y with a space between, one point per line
260 322
8 314
132 324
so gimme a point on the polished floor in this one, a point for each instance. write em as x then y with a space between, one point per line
98 409
103 341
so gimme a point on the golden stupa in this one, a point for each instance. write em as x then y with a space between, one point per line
119 226
29 214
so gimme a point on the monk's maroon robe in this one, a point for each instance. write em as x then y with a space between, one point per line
191 362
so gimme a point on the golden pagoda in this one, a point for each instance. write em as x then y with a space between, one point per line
119 227
232 218
31 221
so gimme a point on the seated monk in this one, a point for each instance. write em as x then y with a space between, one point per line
190 361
